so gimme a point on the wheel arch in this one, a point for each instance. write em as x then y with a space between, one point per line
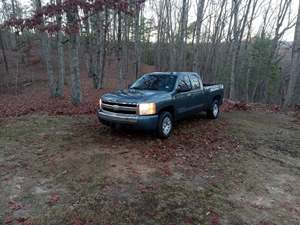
170 109
218 98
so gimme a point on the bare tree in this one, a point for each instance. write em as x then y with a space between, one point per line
3 52
170 32
101 30
99 50
137 38
284 10
295 65
247 64
61 56
222 42
216 37
115 23
14 15
182 34
88 43
125 45
72 18
104 40
45 42
235 11
239 26
120 50
196 54
160 14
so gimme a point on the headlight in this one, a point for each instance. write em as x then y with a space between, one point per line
147 109
100 103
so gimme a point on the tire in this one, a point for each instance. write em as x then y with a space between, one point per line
214 111
113 127
165 125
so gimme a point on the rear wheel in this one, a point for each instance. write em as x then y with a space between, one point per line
214 111
165 125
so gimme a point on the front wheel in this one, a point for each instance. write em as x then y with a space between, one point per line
165 125
214 111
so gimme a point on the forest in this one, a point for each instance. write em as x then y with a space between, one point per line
252 46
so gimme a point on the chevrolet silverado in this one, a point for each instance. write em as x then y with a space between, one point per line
156 100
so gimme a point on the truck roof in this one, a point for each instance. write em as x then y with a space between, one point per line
172 73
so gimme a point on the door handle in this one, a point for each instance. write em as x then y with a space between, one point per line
189 94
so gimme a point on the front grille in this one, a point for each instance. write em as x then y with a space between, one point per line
120 108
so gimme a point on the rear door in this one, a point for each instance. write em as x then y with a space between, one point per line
183 99
198 98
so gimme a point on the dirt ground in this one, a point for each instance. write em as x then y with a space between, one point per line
241 169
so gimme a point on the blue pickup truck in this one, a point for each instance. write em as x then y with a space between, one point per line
157 100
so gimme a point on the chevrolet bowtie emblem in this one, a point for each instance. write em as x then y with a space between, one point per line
116 107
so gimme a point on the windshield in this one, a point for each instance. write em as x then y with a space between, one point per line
157 82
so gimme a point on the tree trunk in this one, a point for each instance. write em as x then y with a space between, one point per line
196 55
114 27
279 32
45 42
295 66
61 56
235 4
137 39
215 41
88 45
74 57
3 52
99 50
182 35
120 50
46 52
14 15
247 62
159 35
237 47
104 47
125 43
170 36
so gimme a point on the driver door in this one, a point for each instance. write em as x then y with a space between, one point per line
183 97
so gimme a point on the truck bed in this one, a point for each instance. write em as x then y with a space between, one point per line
213 87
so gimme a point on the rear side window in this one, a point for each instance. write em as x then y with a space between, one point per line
196 84
184 82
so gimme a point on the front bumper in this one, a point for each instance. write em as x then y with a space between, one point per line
136 121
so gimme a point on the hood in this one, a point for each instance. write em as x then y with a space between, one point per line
132 96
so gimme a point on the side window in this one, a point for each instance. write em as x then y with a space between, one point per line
195 81
184 83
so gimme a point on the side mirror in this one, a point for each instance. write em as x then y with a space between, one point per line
129 85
